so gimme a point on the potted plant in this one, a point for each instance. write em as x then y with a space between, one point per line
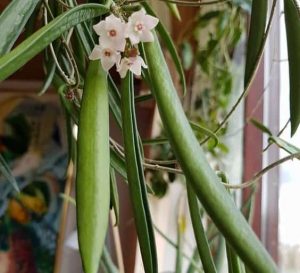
79 54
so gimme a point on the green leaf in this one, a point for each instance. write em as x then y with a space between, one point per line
170 46
155 141
144 97
49 78
13 20
118 163
232 260
292 23
256 36
199 232
6 172
15 59
135 175
92 172
213 196
174 10
260 126
288 147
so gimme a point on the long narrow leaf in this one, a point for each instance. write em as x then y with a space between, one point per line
292 23
15 59
174 10
118 163
191 157
49 78
260 126
136 181
288 147
256 35
232 260
199 232
170 46
13 20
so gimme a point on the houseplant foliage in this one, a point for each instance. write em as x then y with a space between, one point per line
87 91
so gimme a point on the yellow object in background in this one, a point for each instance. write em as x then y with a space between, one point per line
17 212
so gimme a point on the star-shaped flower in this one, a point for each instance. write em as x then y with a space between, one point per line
108 56
139 27
111 32
134 64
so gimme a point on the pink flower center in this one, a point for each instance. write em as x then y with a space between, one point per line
139 26
112 33
107 53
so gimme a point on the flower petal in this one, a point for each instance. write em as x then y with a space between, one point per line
142 62
123 67
134 37
146 36
116 44
107 63
96 53
150 21
100 28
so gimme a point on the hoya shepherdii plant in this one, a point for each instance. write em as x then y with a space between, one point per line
69 58
112 42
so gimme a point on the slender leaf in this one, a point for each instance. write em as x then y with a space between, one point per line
292 23
13 20
174 10
256 36
213 196
155 141
137 186
170 46
260 126
15 59
143 97
199 232
288 147
93 162
49 78
232 260
118 163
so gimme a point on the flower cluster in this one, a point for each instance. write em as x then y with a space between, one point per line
118 42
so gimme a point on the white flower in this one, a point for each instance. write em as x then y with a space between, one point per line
112 33
134 64
139 27
108 56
